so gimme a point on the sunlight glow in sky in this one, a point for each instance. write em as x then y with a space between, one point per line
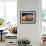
10 14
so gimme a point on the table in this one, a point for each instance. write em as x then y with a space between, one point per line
10 39
1 34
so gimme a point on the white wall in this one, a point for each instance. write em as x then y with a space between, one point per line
29 31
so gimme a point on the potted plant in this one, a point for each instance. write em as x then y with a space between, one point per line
1 22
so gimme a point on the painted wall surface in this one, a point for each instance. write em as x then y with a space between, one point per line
31 32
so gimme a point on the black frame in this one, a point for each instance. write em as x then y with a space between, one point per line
28 12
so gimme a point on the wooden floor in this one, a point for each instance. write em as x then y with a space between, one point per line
43 44
2 43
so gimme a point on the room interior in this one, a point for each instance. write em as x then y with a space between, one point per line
22 22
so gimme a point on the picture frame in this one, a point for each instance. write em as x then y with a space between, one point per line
27 17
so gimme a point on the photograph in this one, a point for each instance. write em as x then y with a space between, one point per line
27 17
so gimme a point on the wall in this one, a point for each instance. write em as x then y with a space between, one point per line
29 31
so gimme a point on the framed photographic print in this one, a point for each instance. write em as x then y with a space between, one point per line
27 17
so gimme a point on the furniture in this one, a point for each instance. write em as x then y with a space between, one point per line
11 39
1 34
24 42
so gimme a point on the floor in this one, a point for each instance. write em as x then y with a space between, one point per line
2 43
